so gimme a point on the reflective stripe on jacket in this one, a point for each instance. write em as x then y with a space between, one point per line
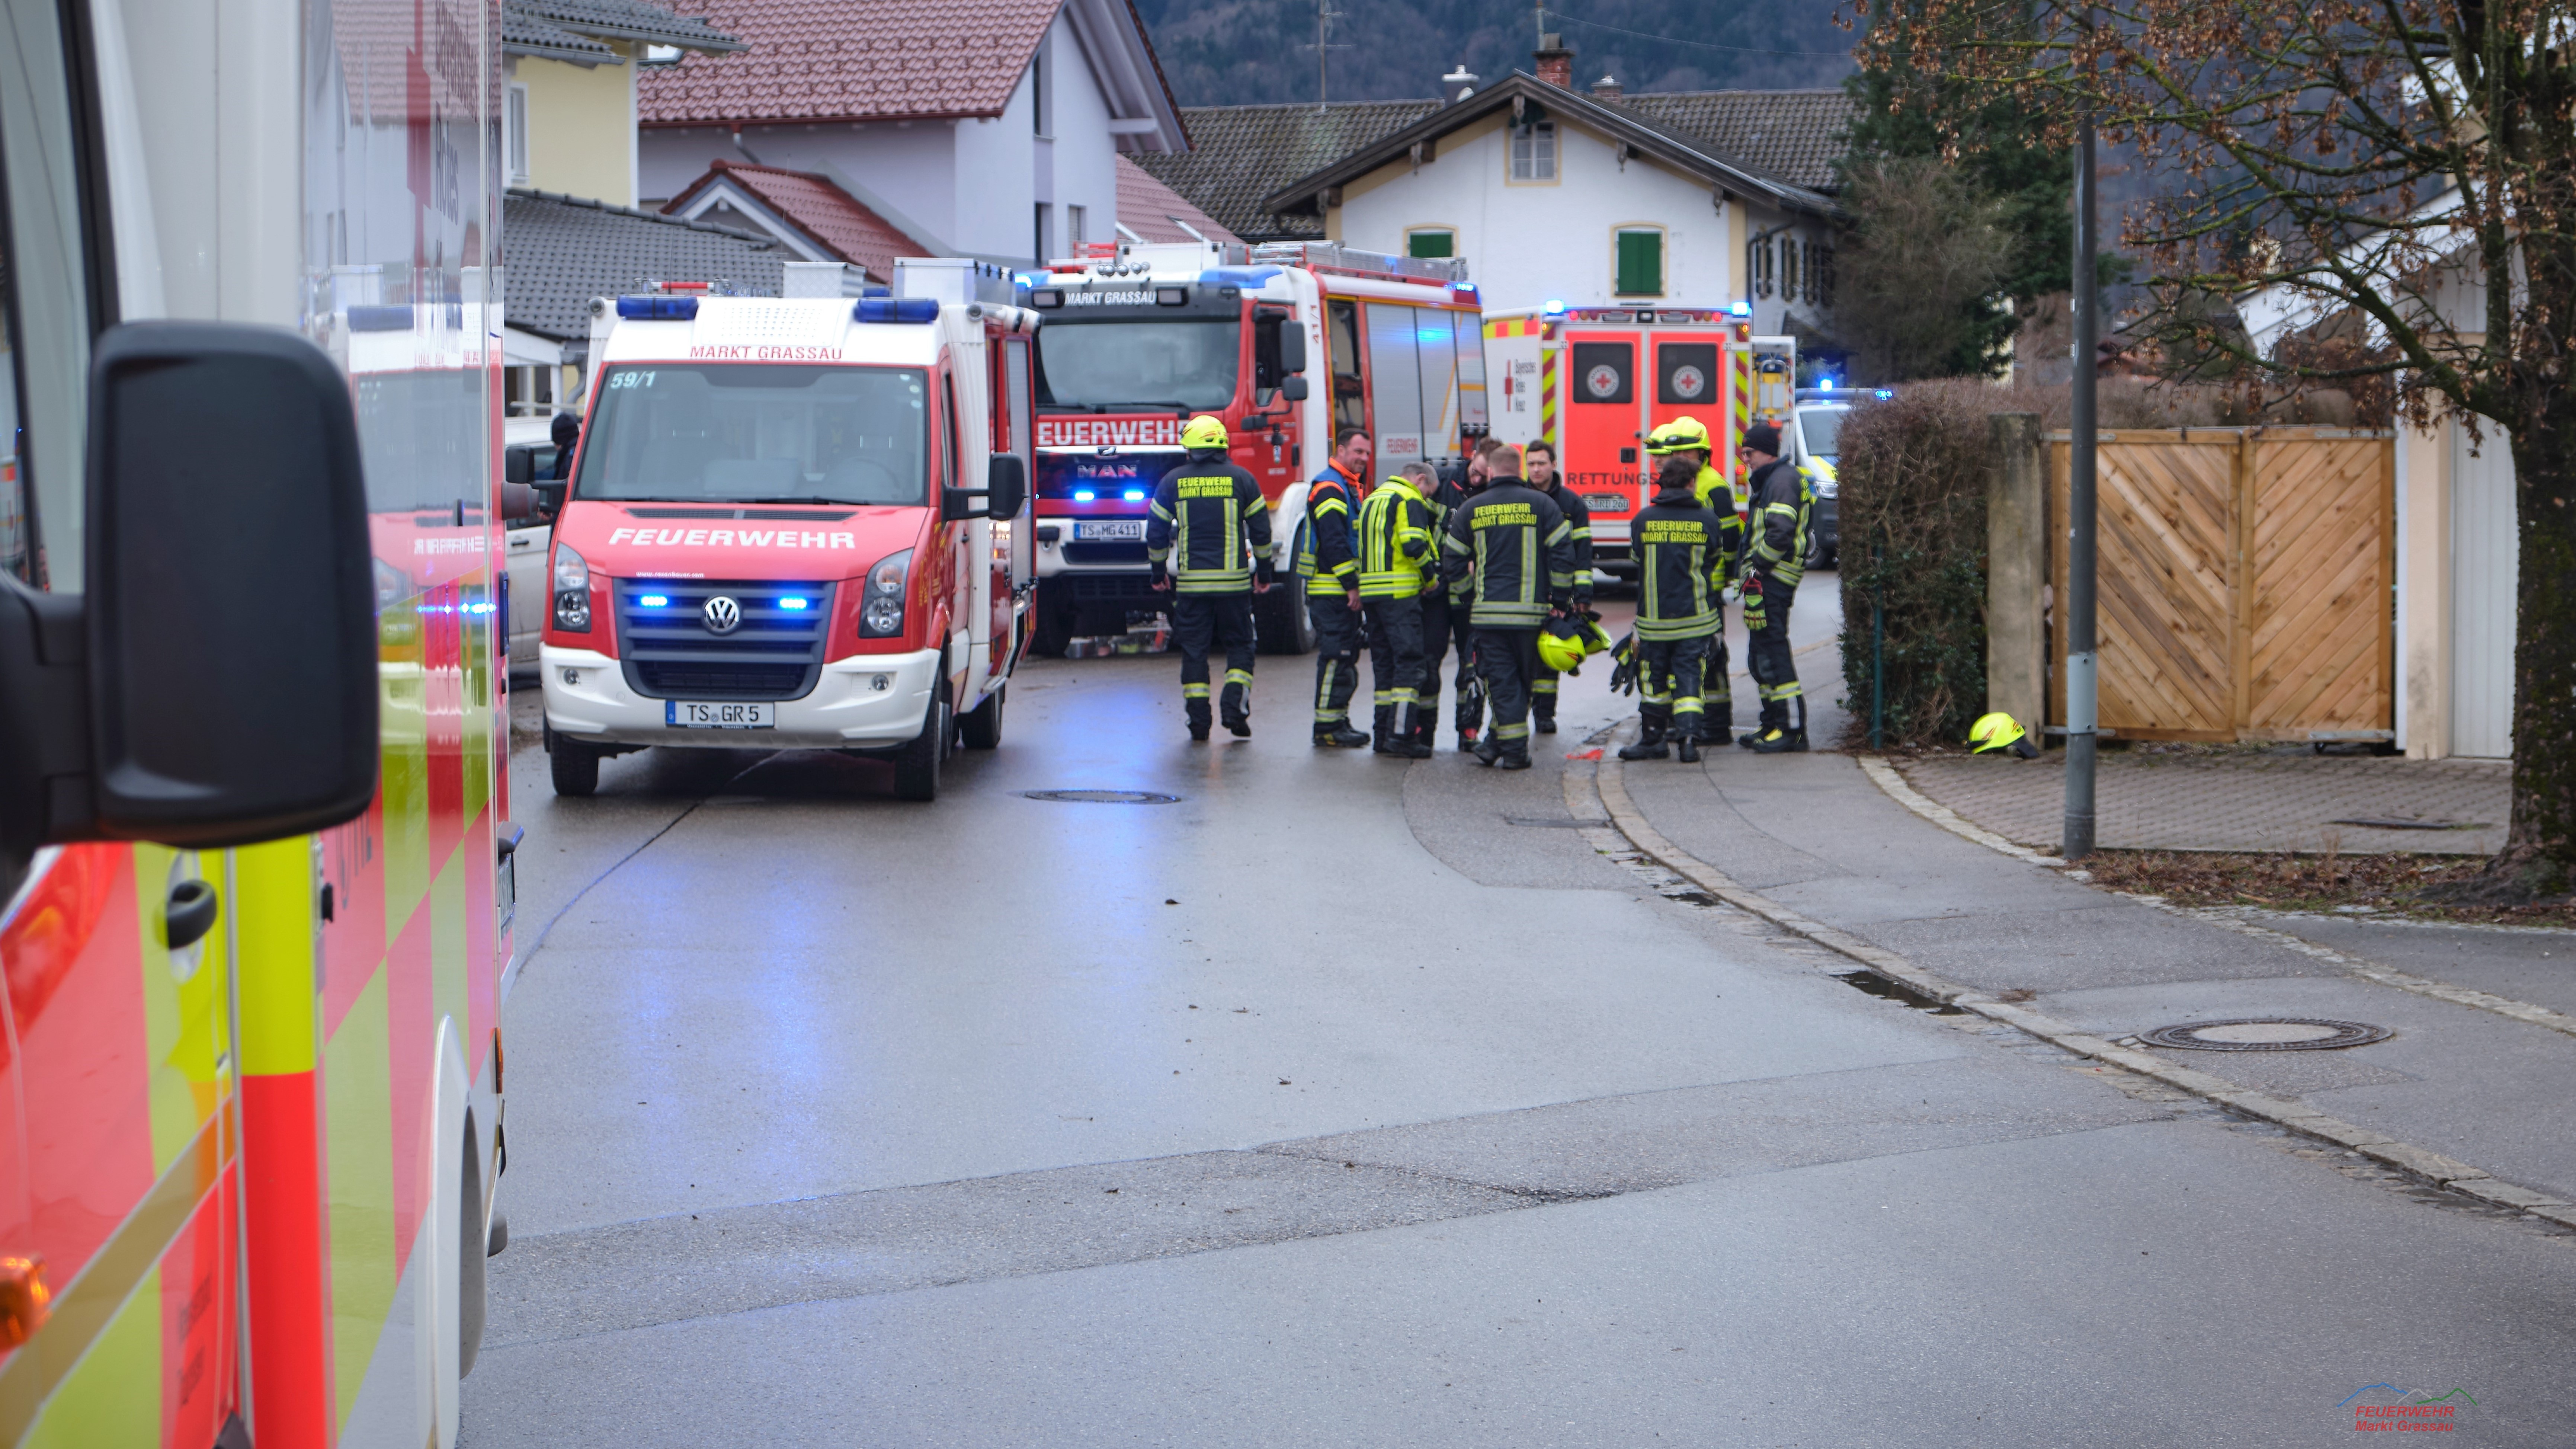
1395 540
1511 546
1207 514
1777 542
1324 534
1681 565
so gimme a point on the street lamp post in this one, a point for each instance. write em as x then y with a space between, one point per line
2082 672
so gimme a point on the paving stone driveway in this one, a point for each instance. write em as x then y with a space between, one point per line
2237 799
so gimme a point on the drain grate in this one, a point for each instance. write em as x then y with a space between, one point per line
2267 1034
1103 797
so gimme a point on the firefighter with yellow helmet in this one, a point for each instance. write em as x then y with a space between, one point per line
1686 438
1209 544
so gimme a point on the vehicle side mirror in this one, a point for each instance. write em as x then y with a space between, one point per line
518 505
1293 388
518 465
550 493
221 667
1006 486
1292 347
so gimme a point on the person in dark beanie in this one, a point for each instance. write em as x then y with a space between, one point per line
1775 553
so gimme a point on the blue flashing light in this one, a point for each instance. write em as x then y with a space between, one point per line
1083 495
1250 279
654 601
1827 382
1555 308
896 309
793 601
1134 495
1884 393
1462 286
876 289
1740 309
657 309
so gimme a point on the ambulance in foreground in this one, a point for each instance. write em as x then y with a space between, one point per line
255 863
1596 382
1288 343
795 523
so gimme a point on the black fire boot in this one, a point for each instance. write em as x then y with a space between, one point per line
1650 740
1486 750
1382 729
1338 735
1198 714
1236 712
1780 742
1515 758
1686 747
1543 714
1408 740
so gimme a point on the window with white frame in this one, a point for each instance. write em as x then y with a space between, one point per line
514 134
1534 151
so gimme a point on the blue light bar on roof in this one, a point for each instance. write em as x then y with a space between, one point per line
657 309
1555 308
1250 279
896 309
1740 309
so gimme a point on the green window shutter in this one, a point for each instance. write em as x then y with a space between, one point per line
1641 264
1432 244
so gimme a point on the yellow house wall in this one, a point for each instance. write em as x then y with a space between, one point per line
581 128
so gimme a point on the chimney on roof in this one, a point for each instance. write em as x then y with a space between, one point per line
1607 88
1458 84
1555 61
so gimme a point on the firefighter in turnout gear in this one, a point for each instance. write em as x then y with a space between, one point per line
1444 623
1210 522
1681 571
1395 546
1540 459
1329 567
1775 556
1685 437
1509 556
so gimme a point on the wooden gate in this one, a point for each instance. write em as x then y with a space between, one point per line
2244 583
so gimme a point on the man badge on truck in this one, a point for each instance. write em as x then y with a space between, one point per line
723 615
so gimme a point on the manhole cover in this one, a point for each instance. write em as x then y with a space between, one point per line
1103 797
2267 1034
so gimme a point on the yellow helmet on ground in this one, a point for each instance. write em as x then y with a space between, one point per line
2000 731
1560 646
1679 435
1205 431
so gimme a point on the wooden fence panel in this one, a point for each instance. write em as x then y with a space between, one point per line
2243 583
2318 616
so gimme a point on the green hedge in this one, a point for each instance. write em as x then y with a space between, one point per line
1912 475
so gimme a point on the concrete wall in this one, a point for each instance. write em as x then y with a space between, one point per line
581 127
970 187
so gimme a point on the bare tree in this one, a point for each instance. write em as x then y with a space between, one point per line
1928 251
2351 174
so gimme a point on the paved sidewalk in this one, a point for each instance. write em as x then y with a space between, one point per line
1814 834
2277 799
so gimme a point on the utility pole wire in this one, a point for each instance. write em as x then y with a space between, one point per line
1325 15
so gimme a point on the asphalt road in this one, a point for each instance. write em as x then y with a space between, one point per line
1351 1101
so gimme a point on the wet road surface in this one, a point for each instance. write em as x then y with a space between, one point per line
1351 1101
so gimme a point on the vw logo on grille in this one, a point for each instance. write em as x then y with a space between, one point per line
723 615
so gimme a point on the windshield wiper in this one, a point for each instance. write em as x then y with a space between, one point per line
840 502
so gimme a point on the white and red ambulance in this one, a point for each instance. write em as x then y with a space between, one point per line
1596 382
1140 338
795 523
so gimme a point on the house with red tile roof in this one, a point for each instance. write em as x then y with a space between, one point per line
982 128
814 219
1149 211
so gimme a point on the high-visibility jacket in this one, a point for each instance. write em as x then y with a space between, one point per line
1511 546
1723 498
1207 514
1324 535
1776 536
1395 539
1681 566
1578 517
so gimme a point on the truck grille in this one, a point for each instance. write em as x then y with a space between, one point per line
670 652
1104 553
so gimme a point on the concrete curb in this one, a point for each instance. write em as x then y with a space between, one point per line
1885 776
1609 784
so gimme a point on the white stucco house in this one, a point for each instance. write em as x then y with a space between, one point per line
1586 197
989 131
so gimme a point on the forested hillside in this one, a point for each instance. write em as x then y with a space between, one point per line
1241 52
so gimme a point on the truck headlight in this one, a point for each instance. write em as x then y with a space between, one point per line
572 591
881 605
